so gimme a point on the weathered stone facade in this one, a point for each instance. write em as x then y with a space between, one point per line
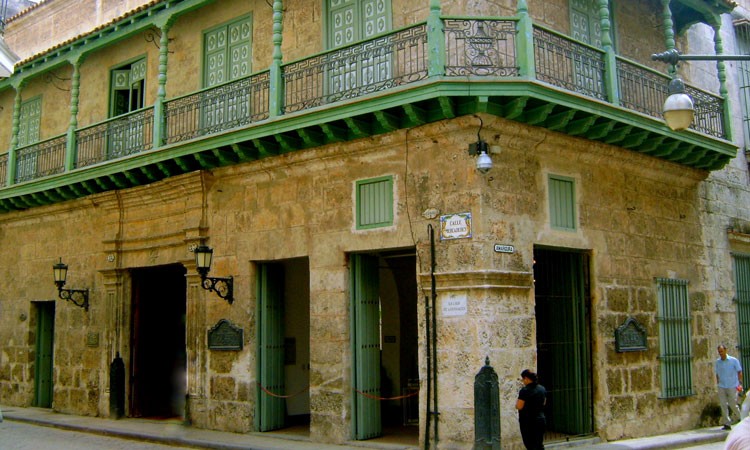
638 218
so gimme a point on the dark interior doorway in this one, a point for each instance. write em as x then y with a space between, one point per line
158 358
561 284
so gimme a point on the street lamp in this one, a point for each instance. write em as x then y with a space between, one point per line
678 108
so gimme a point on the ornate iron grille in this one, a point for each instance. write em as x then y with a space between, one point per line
115 138
644 90
641 89
480 47
709 112
3 170
568 64
40 159
217 109
376 65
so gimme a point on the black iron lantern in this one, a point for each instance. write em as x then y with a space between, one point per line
223 286
79 297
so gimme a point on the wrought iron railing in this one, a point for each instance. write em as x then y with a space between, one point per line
231 105
480 47
118 137
40 159
376 65
641 89
569 64
473 47
644 90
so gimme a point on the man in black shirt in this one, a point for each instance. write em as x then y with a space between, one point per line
530 405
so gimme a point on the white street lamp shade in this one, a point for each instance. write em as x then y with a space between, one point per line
679 111
484 162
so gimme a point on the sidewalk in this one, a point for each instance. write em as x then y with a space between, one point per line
174 433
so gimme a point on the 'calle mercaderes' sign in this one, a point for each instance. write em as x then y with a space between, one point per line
455 226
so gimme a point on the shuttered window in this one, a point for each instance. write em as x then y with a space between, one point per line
128 88
675 347
227 52
742 283
29 120
28 133
374 202
562 203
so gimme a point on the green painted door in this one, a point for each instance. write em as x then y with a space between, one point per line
365 307
45 332
271 407
350 21
563 339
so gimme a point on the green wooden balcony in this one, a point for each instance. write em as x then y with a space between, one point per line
411 76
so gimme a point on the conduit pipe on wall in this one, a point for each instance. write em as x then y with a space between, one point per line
431 338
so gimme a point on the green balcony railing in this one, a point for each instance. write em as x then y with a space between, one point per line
115 138
40 159
474 47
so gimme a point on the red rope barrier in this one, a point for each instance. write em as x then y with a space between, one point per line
281 396
375 397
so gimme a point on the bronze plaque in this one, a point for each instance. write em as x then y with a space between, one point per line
225 336
630 337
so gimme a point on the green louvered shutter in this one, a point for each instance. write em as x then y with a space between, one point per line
272 411
374 202
366 337
742 282
562 203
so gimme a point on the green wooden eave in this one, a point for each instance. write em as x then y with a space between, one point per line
528 102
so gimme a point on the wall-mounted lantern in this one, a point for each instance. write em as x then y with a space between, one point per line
79 297
223 286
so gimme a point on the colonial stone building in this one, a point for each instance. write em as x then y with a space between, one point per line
395 193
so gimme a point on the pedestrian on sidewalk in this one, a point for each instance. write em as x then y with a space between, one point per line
729 382
530 405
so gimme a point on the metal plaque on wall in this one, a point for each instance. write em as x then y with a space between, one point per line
630 337
225 336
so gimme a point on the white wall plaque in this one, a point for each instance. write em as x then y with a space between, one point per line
454 305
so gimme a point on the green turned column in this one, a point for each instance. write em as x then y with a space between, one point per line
71 149
722 75
525 42
668 31
610 59
276 88
161 93
435 41
18 86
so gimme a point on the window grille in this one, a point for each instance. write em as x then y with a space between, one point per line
742 285
675 347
